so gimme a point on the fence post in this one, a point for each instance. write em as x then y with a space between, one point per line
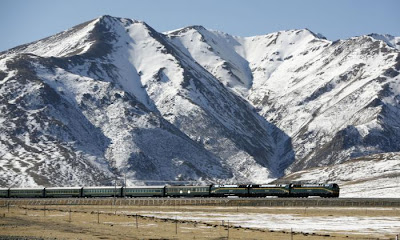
176 225
98 217
228 229
137 226
291 233
69 215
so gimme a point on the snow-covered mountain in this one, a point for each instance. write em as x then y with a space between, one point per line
112 96
334 100
119 98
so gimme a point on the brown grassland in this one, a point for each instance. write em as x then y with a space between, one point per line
108 222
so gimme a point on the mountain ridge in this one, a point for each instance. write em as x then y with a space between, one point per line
251 107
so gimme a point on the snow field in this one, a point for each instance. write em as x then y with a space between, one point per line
357 225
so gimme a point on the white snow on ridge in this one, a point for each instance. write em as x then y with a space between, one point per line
73 41
215 52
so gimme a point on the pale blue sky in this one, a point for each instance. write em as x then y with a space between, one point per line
23 21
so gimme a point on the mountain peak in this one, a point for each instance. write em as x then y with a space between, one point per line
126 21
196 27
390 40
317 35
179 31
304 31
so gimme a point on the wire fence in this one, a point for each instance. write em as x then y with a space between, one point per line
264 202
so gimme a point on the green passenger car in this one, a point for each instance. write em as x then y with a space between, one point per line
102 191
143 191
4 192
229 190
322 190
279 190
63 192
27 192
187 191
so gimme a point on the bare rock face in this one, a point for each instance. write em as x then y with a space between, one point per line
113 97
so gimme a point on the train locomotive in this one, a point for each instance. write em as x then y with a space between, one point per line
214 190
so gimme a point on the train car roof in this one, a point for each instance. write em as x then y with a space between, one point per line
63 188
272 185
33 188
230 185
185 186
315 185
105 187
4 188
144 187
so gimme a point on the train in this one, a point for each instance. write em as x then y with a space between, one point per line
330 190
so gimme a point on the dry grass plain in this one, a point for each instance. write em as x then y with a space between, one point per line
108 222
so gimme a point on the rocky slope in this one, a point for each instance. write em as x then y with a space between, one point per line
114 97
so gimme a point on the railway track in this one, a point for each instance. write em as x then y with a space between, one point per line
263 202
